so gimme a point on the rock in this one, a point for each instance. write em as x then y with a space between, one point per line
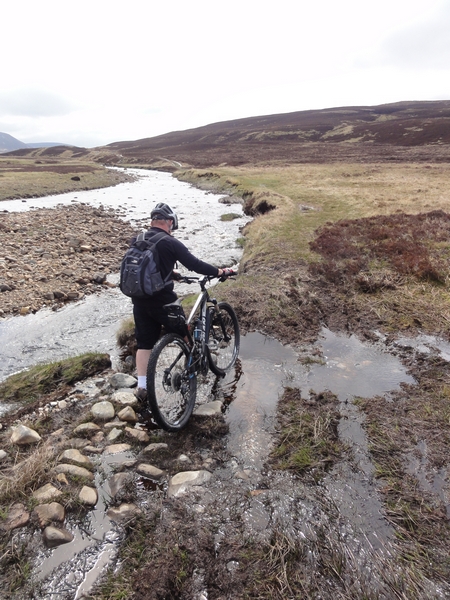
183 458
115 448
86 429
127 414
25 310
138 434
123 513
3 455
114 424
55 537
62 479
103 410
98 437
46 513
99 278
74 471
88 495
150 471
18 516
124 398
114 434
117 482
73 296
122 380
93 450
180 483
155 447
22 435
74 456
78 443
209 410
46 492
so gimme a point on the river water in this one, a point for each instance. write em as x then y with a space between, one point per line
90 325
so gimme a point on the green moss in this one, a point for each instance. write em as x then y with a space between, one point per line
28 385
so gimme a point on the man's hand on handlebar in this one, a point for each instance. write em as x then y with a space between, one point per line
225 273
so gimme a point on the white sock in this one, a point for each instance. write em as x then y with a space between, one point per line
142 381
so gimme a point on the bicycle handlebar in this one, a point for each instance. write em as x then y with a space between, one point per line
206 278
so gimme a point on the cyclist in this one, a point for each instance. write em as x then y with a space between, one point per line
149 315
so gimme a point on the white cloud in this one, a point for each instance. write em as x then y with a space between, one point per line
29 102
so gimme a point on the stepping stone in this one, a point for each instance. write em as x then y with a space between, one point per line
138 434
122 380
74 456
181 483
116 448
18 516
150 471
88 495
86 428
46 513
123 513
55 537
74 471
22 435
209 410
46 492
103 410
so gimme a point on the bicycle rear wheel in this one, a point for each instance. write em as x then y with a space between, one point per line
171 386
224 339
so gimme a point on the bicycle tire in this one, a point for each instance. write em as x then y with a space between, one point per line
171 383
224 339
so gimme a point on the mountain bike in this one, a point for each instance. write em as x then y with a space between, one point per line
208 340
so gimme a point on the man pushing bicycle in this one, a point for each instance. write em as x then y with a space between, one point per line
148 311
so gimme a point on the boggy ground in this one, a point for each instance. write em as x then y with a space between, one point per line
278 534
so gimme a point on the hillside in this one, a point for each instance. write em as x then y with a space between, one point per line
400 132
408 131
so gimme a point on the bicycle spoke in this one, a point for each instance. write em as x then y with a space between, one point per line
170 384
224 338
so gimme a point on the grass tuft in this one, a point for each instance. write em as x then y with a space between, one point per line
28 385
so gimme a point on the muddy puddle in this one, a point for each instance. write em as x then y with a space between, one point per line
347 367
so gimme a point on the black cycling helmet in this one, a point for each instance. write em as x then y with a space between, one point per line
163 211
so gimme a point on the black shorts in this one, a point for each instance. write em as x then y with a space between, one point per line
148 321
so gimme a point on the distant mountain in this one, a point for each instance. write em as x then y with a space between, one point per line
8 143
401 131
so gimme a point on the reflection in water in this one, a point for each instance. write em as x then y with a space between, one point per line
351 369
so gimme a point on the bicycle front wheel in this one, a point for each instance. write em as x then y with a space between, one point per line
171 386
224 339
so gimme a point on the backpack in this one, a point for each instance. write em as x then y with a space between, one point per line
139 270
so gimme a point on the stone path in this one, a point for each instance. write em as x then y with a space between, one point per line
110 426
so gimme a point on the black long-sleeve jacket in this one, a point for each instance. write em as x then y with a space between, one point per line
171 251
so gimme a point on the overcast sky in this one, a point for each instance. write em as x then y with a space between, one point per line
93 72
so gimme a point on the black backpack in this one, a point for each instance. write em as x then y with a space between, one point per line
139 271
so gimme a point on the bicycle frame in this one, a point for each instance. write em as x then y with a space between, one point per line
200 308
178 358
